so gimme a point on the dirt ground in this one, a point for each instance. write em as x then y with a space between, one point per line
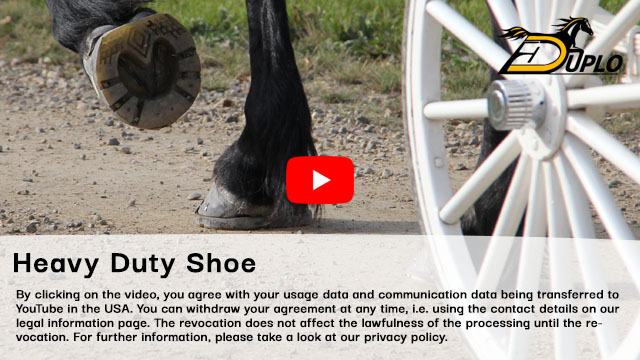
67 166
59 175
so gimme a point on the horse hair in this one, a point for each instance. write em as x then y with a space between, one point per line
72 20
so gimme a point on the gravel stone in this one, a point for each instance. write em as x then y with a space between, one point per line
32 227
362 120
614 183
113 142
371 146
194 196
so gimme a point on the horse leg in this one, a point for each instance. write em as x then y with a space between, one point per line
74 20
249 177
481 219
142 65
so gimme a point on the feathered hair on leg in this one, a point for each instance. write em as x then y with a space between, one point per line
72 20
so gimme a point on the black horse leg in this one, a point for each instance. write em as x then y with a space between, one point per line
249 177
482 217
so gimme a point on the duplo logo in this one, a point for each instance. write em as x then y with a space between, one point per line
527 58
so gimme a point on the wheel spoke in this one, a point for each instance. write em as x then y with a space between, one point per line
586 9
505 14
587 253
604 143
515 201
466 32
459 109
604 42
595 187
531 255
508 221
611 96
560 269
604 204
559 253
575 200
599 22
483 177
555 11
556 211
542 15
526 13
535 223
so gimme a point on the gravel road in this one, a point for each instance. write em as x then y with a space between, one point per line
70 167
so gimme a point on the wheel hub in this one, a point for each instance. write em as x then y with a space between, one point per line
515 104
535 108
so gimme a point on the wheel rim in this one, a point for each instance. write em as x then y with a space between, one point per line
561 177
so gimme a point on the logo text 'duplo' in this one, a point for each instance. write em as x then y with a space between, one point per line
528 59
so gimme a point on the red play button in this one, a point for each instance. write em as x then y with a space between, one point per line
320 180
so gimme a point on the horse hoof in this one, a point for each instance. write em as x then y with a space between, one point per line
146 71
224 211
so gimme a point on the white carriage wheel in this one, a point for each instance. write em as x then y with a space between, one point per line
555 176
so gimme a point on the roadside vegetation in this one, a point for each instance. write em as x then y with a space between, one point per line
355 44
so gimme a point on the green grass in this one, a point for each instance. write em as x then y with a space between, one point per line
27 35
355 42
370 28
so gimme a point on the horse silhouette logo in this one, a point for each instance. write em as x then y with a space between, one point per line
565 42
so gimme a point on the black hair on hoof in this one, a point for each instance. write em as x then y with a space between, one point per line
72 20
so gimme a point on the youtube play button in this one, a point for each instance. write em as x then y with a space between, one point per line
320 180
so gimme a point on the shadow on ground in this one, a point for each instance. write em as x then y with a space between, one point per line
352 226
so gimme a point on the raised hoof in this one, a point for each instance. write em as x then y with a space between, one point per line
224 211
146 71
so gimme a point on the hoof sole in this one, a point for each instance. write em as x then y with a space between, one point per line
148 71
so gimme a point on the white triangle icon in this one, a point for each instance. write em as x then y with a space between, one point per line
319 179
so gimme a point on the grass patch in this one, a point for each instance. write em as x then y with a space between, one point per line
387 77
338 96
27 35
